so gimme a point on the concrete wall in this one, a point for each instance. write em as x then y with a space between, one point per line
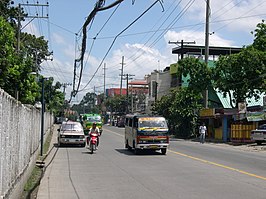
19 143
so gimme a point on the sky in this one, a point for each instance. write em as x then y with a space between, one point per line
144 44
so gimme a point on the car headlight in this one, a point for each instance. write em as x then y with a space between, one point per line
62 136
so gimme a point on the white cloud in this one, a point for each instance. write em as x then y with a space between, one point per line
30 28
227 14
58 39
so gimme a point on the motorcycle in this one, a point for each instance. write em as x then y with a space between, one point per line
92 142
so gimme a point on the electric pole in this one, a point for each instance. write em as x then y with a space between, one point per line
64 85
207 46
128 77
104 73
122 70
182 54
37 16
182 45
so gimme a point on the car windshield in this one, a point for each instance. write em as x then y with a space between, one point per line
152 123
71 127
94 119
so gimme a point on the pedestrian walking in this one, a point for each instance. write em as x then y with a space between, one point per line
203 132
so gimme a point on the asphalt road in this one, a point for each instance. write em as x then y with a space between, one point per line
189 170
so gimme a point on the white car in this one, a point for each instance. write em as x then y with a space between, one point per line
71 132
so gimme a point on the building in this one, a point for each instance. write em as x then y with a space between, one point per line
159 83
138 90
224 122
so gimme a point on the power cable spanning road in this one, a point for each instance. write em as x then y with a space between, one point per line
189 170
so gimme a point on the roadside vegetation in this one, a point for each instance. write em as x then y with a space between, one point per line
20 62
240 76
31 187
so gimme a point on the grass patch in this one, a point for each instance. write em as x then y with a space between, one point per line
34 178
30 188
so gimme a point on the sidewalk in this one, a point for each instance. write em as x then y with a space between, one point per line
43 187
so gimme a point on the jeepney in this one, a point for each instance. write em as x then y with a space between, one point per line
88 119
146 133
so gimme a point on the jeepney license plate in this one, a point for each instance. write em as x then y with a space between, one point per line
153 146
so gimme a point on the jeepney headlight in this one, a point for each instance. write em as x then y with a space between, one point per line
142 141
62 136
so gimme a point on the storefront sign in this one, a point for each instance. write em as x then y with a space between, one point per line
208 112
256 116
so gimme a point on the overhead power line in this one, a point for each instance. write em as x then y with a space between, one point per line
115 40
99 6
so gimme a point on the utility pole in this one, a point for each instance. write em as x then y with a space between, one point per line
155 91
19 29
64 86
182 45
128 77
182 54
37 16
207 46
94 96
104 73
122 70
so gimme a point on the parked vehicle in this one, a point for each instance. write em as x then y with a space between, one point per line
92 142
146 133
259 134
71 132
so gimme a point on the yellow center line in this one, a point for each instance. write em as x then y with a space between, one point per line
219 165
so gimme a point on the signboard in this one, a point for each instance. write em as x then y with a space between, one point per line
242 107
256 116
208 112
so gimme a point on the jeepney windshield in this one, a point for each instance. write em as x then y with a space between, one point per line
94 119
152 123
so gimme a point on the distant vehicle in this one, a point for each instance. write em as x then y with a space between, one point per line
59 120
89 119
71 132
259 134
121 122
146 133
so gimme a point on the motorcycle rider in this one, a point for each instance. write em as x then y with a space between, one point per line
95 129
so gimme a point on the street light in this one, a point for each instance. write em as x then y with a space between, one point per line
42 114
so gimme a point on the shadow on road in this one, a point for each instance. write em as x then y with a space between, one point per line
140 152
68 146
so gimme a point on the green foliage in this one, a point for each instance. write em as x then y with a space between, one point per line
260 37
180 108
117 104
87 104
9 13
241 75
197 71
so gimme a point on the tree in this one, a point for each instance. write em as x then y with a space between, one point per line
180 108
117 104
260 37
10 13
197 71
182 105
242 75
